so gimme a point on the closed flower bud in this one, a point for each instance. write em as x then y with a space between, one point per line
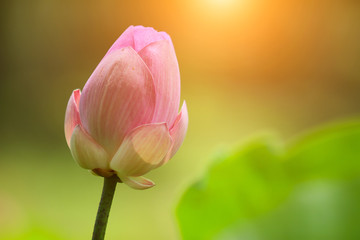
126 120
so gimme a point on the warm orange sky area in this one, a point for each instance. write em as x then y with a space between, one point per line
283 65
252 39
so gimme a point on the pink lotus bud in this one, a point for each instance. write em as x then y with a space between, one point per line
126 119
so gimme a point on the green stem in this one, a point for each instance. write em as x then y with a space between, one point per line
104 207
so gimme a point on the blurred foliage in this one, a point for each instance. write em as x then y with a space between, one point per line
245 66
309 189
34 233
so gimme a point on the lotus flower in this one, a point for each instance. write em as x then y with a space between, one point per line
126 119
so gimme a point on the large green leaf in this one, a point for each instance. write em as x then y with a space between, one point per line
258 191
315 210
331 152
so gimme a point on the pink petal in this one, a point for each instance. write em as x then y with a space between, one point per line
178 132
118 97
86 152
142 150
72 117
138 37
161 60
126 39
139 183
144 36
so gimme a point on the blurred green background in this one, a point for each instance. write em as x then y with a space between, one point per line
247 66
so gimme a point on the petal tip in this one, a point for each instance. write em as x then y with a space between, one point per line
139 183
76 95
72 118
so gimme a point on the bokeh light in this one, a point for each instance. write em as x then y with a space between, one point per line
246 66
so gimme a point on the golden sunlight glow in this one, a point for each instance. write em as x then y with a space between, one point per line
220 10
220 7
222 3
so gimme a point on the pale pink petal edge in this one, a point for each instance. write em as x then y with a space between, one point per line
86 151
72 117
139 183
142 150
178 132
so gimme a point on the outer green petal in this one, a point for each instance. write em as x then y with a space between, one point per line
142 150
86 152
